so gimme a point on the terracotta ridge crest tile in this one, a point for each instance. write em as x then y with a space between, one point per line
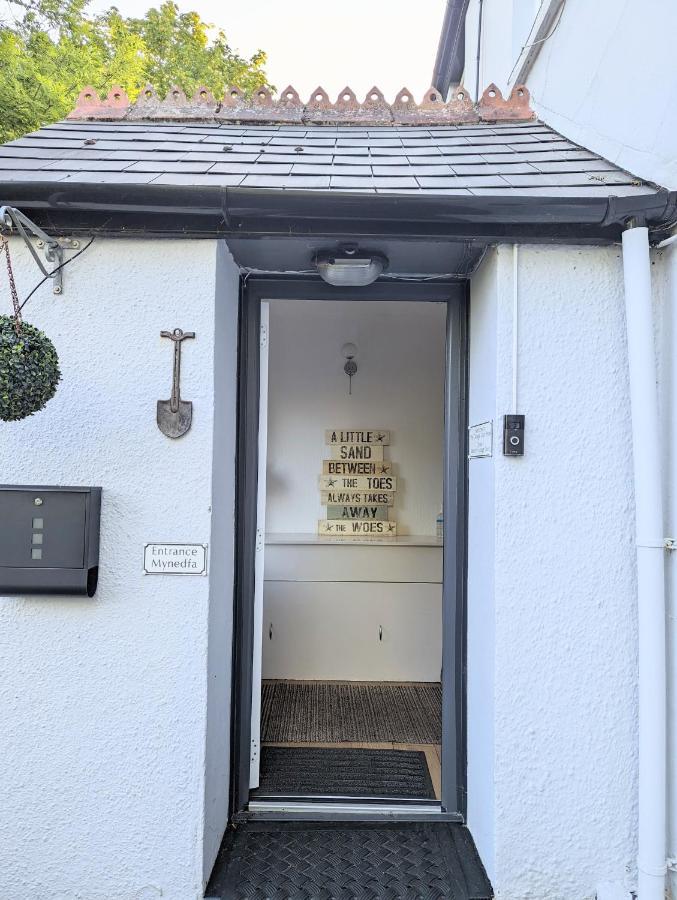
287 108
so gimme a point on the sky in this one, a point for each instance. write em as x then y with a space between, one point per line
311 43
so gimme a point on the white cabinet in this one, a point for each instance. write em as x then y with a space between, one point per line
353 612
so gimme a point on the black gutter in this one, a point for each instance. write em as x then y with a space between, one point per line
450 60
168 210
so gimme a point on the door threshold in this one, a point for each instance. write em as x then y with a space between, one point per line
274 810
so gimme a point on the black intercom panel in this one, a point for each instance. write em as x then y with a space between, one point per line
49 539
513 435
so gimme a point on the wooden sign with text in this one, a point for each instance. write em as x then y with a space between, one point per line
358 482
359 498
356 528
355 467
357 485
358 436
357 512
372 452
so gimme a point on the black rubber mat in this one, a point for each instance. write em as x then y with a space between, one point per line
332 712
344 772
304 861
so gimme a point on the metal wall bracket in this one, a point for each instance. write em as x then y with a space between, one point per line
12 219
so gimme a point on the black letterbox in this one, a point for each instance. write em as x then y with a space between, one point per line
49 539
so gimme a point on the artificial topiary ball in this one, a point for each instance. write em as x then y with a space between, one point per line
29 370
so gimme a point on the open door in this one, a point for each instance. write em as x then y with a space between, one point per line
248 773
255 744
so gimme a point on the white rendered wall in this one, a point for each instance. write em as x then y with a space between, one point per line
399 386
563 621
105 700
605 77
495 44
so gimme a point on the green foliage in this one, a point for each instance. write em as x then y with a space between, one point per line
29 370
53 50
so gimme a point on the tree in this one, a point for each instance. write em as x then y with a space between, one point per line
54 49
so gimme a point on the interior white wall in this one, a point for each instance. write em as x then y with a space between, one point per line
605 77
399 386
564 681
221 574
104 701
481 612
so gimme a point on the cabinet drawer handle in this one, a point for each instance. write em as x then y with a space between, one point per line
270 632
380 632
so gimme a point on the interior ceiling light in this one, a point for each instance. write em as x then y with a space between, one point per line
350 266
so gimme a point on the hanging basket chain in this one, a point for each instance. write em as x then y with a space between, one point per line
12 286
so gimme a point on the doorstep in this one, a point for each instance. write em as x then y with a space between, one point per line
348 861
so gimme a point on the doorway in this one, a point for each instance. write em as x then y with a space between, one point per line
351 692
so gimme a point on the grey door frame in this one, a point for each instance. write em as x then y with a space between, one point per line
253 291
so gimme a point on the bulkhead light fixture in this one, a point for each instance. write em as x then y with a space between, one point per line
350 266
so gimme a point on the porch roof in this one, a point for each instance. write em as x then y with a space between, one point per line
451 171
500 159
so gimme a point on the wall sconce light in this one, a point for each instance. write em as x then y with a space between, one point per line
349 351
350 266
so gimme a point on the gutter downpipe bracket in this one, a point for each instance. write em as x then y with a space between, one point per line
651 601
665 544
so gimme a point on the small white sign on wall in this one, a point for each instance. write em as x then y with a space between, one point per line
480 440
175 559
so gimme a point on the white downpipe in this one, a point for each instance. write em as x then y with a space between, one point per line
650 566
515 322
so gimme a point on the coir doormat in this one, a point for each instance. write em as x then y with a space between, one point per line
349 772
333 712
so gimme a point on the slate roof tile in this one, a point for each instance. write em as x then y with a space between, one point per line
35 176
10 164
263 168
292 158
568 178
197 179
486 168
458 159
572 165
396 183
352 181
93 165
343 169
184 166
105 177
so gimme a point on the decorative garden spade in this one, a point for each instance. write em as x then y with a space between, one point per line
174 416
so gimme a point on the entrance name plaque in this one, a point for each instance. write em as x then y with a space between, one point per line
175 559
